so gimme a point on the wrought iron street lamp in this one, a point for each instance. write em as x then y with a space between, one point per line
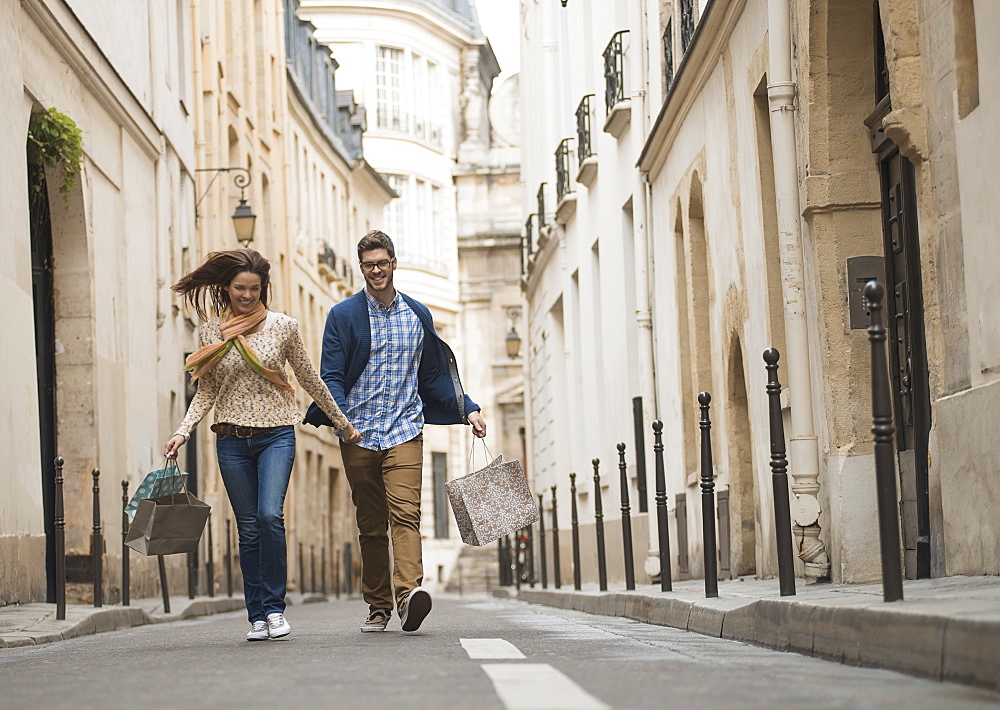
513 340
244 220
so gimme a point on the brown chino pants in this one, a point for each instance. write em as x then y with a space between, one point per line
385 487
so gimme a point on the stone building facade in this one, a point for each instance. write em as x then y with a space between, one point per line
238 85
742 155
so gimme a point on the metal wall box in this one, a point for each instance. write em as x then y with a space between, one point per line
861 270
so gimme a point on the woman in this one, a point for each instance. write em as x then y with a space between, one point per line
240 369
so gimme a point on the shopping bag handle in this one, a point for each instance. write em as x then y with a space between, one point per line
171 462
472 451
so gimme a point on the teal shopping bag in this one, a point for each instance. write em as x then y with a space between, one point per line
166 481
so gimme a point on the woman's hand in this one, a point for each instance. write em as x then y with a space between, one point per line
171 447
350 434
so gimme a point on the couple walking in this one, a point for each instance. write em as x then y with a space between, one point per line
385 373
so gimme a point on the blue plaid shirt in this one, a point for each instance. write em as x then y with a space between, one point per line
384 404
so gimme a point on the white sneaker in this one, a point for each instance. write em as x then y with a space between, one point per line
415 609
258 632
278 626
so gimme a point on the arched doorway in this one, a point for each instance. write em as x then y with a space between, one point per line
45 352
743 503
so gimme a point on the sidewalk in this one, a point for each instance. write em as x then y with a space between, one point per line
947 628
35 624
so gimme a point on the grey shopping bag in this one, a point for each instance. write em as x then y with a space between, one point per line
168 525
492 502
163 481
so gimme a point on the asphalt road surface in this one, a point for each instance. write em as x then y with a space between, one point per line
475 653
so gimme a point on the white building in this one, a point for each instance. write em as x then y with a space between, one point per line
733 161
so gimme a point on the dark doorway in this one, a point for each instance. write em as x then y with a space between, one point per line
45 356
904 313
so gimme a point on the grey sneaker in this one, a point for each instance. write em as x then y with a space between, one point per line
278 626
377 620
415 609
258 632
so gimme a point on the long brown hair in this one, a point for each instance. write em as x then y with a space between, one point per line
209 281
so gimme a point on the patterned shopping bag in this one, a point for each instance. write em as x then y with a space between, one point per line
492 502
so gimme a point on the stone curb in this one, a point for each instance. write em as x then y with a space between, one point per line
84 621
913 641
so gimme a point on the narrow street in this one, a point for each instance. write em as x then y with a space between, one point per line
468 655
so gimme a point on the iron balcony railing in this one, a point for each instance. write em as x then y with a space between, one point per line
562 169
668 55
687 24
614 71
541 205
583 149
527 242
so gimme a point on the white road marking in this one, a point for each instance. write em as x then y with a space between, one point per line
538 686
490 648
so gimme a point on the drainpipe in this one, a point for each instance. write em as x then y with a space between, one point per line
804 444
639 129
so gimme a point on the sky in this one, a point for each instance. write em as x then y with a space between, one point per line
500 19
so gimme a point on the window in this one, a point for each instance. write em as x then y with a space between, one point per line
687 24
668 55
388 78
395 211
439 468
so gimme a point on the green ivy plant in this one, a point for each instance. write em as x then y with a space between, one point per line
55 139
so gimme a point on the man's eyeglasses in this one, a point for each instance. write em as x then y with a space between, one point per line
382 265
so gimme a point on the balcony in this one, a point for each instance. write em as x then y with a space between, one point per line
565 197
618 107
334 268
585 157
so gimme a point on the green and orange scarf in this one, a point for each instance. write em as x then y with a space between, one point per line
234 328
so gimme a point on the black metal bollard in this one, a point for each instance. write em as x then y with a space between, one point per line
556 567
779 478
210 582
575 523
640 453
164 586
626 519
885 466
125 556
97 542
541 542
336 573
708 499
500 562
302 571
516 561
312 569
60 534
229 557
602 562
662 525
322 570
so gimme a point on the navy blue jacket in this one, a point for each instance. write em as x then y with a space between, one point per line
347 343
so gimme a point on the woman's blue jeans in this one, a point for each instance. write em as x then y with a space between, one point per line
256 472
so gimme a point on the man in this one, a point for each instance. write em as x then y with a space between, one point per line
390 374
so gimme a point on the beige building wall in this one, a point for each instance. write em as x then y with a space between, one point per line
110 237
